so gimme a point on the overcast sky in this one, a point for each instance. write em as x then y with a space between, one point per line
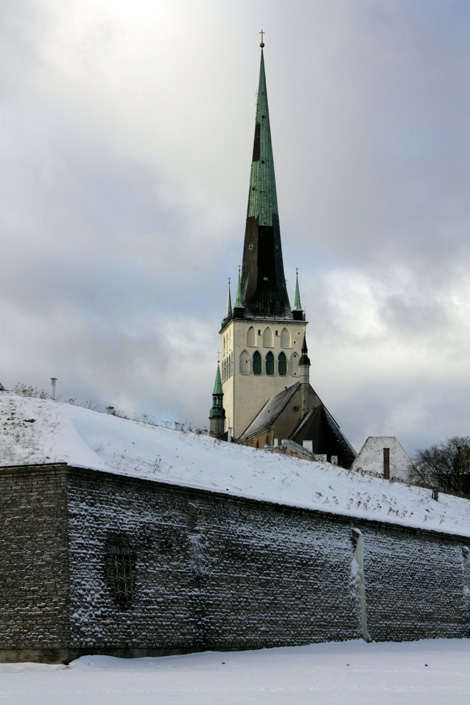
126 135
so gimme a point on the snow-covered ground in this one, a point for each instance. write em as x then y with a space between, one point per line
431 672
39 430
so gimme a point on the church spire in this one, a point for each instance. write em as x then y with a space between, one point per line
263 283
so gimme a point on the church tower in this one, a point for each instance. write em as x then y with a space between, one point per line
261 335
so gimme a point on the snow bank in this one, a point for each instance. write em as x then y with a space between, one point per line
37 431
421 673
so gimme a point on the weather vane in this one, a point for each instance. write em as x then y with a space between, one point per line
262 39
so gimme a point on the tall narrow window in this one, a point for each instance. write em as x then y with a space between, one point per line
256 363
269 363
251 336
282 365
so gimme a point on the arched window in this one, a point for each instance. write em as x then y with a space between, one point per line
282 365
285 338
251 336
268 338
269 363
256 363
244 363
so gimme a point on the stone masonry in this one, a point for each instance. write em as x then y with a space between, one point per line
103 563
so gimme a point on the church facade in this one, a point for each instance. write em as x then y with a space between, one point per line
265 367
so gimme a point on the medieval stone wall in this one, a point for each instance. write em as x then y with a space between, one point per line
33 564
158 569
220 572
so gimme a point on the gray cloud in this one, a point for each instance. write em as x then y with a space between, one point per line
126 140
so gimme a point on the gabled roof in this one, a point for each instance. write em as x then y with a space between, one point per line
327 439
270 412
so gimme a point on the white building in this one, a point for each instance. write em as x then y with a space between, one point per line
384 456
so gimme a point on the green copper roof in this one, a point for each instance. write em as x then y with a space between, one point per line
218 382
239 300
297 303
217 411
263 284
262 201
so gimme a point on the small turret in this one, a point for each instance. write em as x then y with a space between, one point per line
297 312
304 377
239 310
304 358
229 302
217 412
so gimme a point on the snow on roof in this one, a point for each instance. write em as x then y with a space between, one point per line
34 431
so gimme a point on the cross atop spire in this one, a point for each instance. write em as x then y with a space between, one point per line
262 38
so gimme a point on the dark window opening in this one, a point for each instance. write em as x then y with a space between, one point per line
387 463
269 363
256 363
282 365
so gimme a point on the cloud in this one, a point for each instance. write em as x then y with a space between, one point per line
126 140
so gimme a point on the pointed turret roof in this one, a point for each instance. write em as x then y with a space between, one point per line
239 298
229 302
304 358
217 411
218 382
297 302
263 282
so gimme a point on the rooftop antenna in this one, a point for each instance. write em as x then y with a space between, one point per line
53 382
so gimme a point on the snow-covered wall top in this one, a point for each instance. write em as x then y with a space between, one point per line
34 431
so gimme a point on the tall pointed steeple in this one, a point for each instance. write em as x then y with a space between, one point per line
263 283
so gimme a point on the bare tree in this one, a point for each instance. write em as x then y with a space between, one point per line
445 466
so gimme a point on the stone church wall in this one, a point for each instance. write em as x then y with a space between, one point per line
155 569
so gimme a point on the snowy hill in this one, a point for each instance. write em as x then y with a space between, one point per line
37 431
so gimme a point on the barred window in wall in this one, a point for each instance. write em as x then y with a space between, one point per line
121 569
